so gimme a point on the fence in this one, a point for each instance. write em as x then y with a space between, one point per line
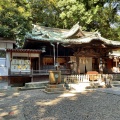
66 76
37 72
87 78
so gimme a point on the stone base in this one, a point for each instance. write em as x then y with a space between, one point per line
115 84
34 85
55 88
55 85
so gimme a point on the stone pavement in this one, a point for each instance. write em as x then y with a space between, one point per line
94 104
113 90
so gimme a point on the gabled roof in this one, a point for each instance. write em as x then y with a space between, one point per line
72 31
73 36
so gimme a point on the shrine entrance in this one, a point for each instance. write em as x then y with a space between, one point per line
85 64
90 59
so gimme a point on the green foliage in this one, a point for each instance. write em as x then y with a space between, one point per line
91 14
15 19
104 19
18 15
71 12
44 12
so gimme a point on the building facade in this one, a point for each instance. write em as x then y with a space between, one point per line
4 56
73 49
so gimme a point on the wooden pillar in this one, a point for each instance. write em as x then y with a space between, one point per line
30 58
39 61
116 62
10 58
32 75
57 51
78 66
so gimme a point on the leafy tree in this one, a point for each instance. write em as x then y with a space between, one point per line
91 14
18 15
107 21
44 12
72 11
15 19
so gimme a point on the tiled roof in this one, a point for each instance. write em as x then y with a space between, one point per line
40 33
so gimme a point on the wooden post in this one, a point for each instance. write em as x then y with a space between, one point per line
57 51
32 74
9 74
78 66
39 62
116 62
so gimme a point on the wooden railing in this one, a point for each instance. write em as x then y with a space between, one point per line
65 71
19 73
76 78
37 72
66 75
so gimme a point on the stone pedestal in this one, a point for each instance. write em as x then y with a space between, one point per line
55 85
55 88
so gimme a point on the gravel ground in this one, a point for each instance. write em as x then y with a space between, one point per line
37 105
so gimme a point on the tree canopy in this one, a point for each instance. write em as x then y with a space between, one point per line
17 16
14 19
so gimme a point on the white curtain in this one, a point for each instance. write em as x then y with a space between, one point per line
89 64
87 61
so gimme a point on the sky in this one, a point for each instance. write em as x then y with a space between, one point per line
114 25
114 5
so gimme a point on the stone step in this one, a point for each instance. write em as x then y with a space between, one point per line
36 84
115 85
115 82
55 85
116 79
54 89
